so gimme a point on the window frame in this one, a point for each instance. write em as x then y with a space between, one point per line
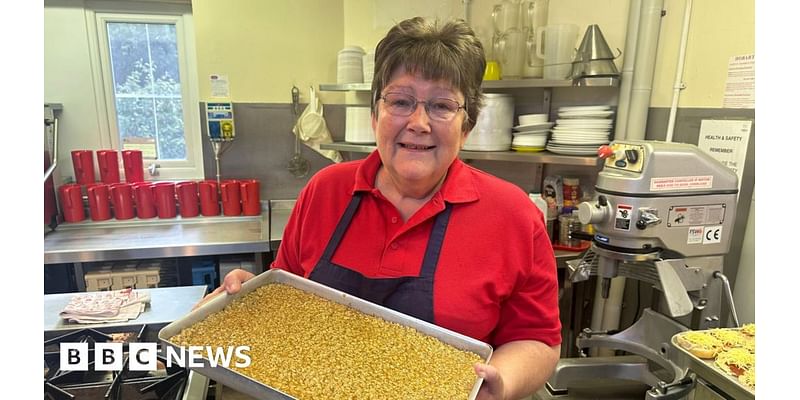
98 14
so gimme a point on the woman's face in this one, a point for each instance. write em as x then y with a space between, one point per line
416 149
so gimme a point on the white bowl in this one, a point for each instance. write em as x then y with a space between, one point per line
529 119
529 140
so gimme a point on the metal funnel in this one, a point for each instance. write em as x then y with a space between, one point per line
594 46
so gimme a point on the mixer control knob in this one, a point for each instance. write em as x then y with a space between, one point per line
632 155
589 213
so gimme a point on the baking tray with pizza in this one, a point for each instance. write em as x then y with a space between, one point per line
724 357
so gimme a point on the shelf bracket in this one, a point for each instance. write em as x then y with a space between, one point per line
547 97
538 170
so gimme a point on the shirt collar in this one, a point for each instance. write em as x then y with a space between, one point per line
458 187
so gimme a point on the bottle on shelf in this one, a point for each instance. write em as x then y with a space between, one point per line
540 202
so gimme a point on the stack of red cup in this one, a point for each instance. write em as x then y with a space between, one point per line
112 198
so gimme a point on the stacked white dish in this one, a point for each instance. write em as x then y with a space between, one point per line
350 65
531 133
580 130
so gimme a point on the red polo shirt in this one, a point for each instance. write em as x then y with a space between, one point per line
496 276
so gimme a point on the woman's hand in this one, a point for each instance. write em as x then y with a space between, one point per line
492 387
231 284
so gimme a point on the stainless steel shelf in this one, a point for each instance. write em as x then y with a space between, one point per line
543 157
346 87
499 84
526 83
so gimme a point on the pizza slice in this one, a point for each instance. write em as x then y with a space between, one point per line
735 361
748 378
730 338
700 344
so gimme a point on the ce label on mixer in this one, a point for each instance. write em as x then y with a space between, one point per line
704 235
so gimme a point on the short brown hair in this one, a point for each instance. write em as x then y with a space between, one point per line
451 52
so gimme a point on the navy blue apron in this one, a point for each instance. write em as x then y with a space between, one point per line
409 295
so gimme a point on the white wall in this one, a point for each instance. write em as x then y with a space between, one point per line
68 80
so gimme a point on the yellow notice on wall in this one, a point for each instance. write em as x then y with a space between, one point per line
147 146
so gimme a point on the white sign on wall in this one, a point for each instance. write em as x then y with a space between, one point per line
726 141
740 85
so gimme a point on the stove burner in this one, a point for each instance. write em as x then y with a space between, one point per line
166 383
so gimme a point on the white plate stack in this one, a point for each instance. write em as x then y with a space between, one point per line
580 130
350 65
531 133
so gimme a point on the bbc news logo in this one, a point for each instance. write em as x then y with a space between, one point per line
144 356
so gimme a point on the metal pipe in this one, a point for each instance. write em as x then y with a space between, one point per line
728 295
55 150
678 85
612 309
598 305
646 50
628 68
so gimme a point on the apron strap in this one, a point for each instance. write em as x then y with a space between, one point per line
344 222
435 241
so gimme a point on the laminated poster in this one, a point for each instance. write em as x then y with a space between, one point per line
726 141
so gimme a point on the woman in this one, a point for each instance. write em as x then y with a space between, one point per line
413 228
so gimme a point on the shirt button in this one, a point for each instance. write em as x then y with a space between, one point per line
394 220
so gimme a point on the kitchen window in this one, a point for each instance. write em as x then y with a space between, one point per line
148 84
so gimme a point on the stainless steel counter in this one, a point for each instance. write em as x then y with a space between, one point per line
279 211
166 305
156 238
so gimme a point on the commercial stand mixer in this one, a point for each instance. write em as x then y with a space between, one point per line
664 215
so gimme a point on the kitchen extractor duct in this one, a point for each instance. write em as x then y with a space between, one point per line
646 50
628 66
678 85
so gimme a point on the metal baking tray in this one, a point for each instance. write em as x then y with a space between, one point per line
712 374
261 391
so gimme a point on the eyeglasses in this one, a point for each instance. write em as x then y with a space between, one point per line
439 109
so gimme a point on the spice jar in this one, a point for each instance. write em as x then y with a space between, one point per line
572 192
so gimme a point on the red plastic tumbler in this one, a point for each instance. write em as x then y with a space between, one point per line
144 200
108 164
83 166
122 200
164 194
209 198
133 165
251 198
188 199
231 203
99 197
71 202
